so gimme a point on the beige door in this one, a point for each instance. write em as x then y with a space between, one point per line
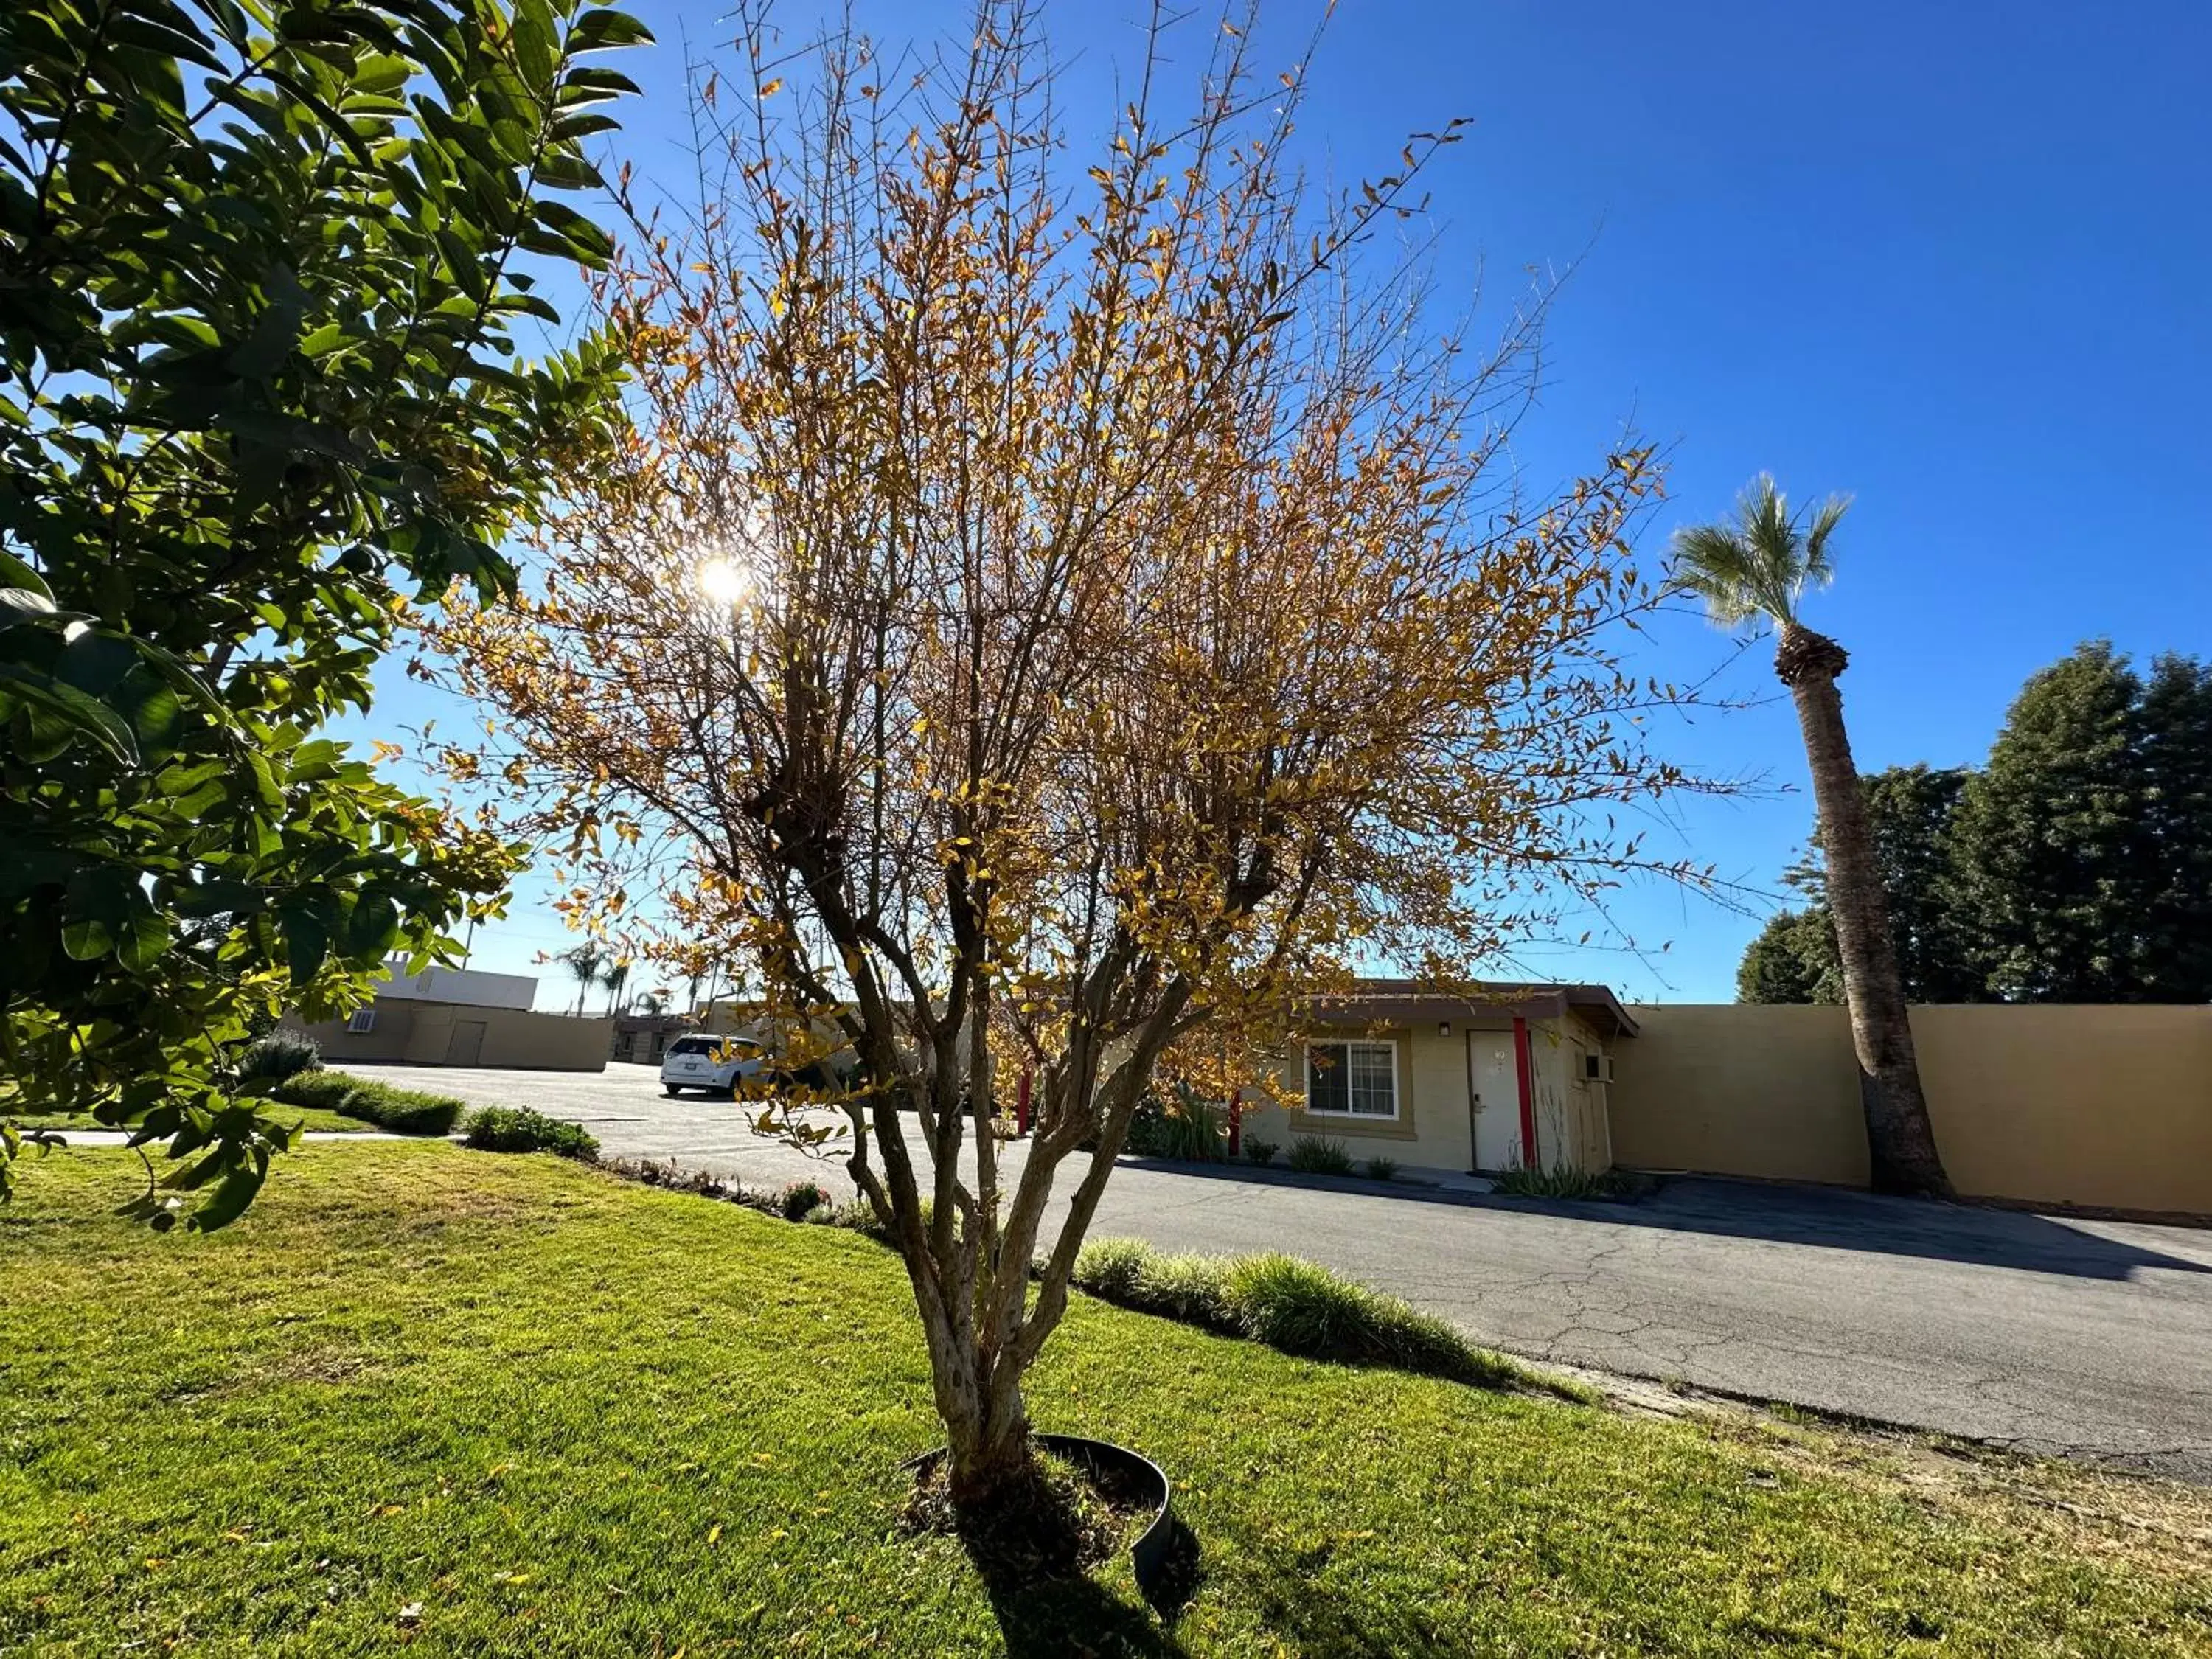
465 1047
1497 1090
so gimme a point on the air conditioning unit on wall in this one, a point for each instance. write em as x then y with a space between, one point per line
1596 1067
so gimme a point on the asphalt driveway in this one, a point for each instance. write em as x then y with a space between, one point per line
2049 1335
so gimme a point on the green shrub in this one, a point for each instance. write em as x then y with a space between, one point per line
1560 1180
822 1215
1185 1127
325 1089
1130 1273
1112 1268
1319 1154
518 1129
278 1056
1259 1151
403 1111
1382 1168
1294 1306
406 1111
797 1200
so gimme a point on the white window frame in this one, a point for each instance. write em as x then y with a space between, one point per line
360 1021
1397 1099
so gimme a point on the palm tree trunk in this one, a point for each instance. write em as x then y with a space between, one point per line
1900 1140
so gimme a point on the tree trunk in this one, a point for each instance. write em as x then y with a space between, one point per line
987 1440
1900 1142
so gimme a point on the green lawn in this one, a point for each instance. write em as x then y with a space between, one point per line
307 1117
565 1414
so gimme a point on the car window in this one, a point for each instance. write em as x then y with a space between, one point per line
740 1047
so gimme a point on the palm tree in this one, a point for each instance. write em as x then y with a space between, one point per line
1751 571
583 961
614 979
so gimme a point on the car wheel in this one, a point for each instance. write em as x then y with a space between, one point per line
670 1090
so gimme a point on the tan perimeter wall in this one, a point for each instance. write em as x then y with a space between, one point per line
415 1033
2107 1105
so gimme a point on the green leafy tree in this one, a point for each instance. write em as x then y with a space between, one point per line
2083 848
1909 811
2046 836
1792 959
259 274
2174 831
1754 571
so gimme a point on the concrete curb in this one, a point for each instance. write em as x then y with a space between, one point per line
1419 1192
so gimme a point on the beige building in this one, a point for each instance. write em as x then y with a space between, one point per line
2104 1106
1512 1076
455 1017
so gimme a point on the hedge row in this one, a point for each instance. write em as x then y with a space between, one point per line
411 1112
403 1111
1295 1307
518 1129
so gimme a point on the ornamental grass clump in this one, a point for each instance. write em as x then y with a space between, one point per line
1294 1306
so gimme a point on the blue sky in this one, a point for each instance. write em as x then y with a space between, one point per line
1948 258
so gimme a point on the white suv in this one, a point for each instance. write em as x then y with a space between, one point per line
715 1064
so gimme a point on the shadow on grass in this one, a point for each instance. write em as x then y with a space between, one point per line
1075 1614
1307 1619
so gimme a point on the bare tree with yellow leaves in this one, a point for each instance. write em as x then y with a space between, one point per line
1057 612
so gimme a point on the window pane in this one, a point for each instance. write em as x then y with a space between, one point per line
1372 1091
1325 1077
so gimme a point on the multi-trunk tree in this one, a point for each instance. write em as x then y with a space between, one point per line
1061 605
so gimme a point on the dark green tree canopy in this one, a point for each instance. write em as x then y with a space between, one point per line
2075 867
259 276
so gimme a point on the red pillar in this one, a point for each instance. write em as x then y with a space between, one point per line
1524 1070
1022 1100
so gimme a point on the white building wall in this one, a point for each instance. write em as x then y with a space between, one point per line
466 985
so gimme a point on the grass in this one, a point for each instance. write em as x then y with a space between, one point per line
1319 1154
318 1118
1561 1181
402 1111
1298 1307
562 1413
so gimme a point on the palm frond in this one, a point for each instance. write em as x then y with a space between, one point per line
1819 567
1713 562
1761 564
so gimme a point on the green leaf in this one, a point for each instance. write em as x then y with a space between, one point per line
603 30
15 576
306 939
95 908
71 709
145 939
